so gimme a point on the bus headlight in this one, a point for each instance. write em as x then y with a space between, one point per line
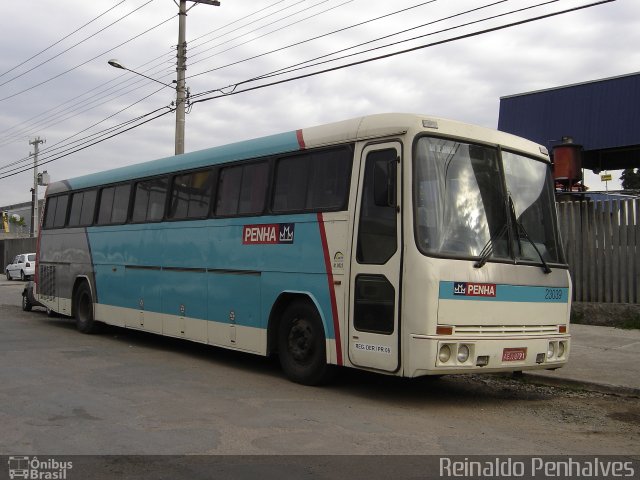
463 353
560 349
551 350
445 354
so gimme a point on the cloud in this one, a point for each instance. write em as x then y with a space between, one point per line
462 80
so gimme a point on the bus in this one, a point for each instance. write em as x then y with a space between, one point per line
396 243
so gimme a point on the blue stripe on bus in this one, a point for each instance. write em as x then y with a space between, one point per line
503 293
201 269
259 147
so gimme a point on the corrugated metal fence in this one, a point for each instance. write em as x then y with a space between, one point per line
600 240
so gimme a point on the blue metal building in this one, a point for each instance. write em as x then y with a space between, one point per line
603 116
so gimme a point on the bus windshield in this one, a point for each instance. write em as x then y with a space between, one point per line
463 210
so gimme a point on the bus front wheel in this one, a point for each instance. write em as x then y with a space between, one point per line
84 310
302 346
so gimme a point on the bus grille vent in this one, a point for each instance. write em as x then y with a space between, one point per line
47 279
490 330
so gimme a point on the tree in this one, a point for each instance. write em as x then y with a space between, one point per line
630 179
17 220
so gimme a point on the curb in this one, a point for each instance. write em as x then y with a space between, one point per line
582 385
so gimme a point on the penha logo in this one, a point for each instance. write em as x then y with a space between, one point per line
268 234
469 289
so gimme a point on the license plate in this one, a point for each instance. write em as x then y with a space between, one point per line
514 354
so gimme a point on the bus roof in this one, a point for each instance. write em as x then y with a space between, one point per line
360 128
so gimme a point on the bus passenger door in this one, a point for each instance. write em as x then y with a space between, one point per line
376 261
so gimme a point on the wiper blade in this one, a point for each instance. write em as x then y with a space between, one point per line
520 228
487 250
545 266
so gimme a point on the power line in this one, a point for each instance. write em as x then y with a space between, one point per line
313 38
62 39
258 28
104 133
51 147
299 66
86 61
76 107
271 32
235 21
393 54
75 44
120 132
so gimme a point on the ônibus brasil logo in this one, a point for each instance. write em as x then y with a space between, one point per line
35 469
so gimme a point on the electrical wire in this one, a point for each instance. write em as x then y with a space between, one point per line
309 39
77 106
62 39
87 61
54 147
85 146
75 45
106 135
258 28
301 65
393 54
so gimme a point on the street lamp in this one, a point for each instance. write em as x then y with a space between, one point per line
181 67
179 137
115 63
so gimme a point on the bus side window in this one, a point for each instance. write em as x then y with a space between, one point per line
83 205
191 195
50 213
290 190
242 189
149 200
315 181
55 211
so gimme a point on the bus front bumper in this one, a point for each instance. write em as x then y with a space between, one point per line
438 355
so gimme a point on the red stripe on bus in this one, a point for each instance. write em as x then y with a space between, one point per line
332 292
300 139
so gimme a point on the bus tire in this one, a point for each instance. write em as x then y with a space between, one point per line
85 322
302 345
26 304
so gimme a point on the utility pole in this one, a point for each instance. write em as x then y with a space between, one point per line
34 218
181 68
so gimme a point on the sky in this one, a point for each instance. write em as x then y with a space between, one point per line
56 84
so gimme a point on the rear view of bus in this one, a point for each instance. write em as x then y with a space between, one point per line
484 259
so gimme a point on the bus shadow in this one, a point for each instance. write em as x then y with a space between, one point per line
452 389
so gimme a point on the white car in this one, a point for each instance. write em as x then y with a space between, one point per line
23 266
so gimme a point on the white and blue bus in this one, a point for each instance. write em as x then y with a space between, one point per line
395 243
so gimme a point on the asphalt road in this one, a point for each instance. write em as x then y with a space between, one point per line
126 392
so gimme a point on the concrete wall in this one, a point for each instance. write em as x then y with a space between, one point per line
9 248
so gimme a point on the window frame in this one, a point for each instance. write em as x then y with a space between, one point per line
242 164
132 200
99 204
70 208
57 197
213 180
347 149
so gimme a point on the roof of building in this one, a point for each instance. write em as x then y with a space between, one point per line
602 115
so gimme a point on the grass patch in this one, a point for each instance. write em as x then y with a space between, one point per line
630 323
577 317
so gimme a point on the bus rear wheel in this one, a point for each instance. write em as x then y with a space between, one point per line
302 345
84 310
26 304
